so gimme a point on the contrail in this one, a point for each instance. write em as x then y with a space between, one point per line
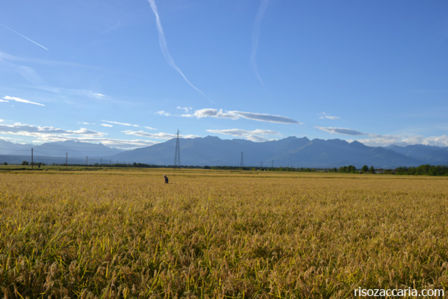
26 37
256 37
164 48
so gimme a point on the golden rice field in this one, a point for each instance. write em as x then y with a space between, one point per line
219 234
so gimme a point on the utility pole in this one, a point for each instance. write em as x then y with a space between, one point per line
272 164
242 160
177 151
66 159
87 160
32 158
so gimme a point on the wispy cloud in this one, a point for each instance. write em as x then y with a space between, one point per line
12 58
20 100
86 123
25 37
163 113
72 91
233 114
164 48
342 131
42 134
43 131
97 95
113 122
385 140
256 37
123 144
185 109
159 135
325 115
257 135
29 74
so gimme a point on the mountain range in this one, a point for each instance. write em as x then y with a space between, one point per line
213 151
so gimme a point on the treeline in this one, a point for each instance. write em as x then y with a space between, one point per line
422 170
353 169
426 169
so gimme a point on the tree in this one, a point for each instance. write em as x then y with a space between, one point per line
365 169
25 163
372 169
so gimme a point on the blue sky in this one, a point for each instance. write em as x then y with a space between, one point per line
130 73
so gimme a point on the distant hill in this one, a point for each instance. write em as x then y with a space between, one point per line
75 149
434 155
291 151
213 151
9 148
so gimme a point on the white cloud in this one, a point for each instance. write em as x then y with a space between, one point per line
41 134
163 113
124 144
26 129
107 125
211 112
113 122
46 134
20 100
98 95
233 114
73 92
342 131
185 109
253 135
159 135
149 128
328 116
13 140
385 140
1 120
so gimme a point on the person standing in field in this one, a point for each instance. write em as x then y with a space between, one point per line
166 179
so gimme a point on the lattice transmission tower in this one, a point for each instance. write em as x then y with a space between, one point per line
177 152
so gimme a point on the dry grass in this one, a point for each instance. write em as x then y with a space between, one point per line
121 233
